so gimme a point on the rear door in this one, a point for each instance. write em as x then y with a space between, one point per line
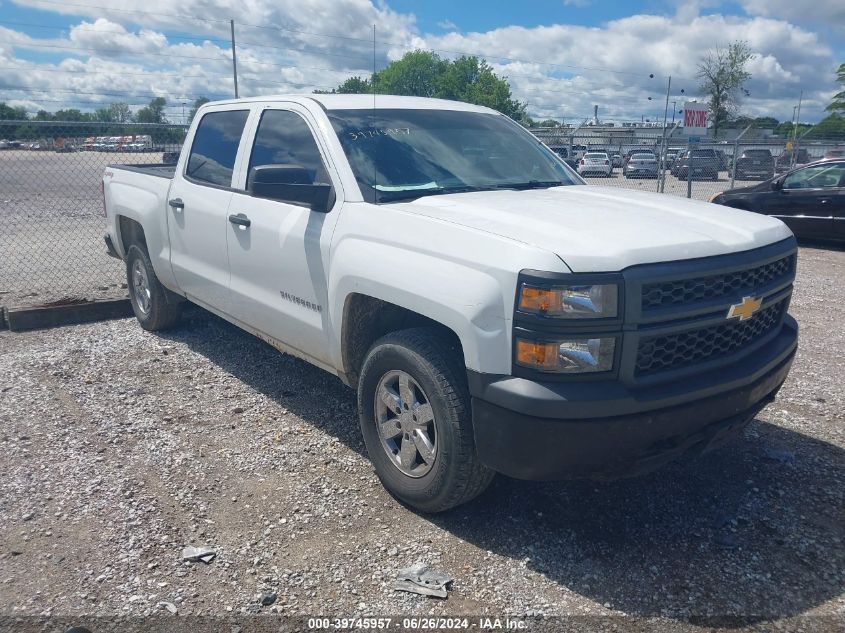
809 199
279 263
198 204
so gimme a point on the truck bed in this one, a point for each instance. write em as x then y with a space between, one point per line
159 171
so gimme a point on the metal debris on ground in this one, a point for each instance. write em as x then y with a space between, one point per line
198 554
418 578
171 608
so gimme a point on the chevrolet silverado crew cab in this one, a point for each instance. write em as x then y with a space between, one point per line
494 312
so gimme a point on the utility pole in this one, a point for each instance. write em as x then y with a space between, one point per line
662 163
795 132
234 58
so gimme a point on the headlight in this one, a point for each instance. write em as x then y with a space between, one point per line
570 302
567 356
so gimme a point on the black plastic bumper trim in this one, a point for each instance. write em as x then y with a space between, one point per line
542 448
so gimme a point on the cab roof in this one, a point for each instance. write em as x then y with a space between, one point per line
364 102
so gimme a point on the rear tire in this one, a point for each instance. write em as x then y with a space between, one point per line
155 307
416 419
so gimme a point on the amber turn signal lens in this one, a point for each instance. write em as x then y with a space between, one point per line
533 299
537 355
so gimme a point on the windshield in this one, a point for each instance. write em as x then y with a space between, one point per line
401 154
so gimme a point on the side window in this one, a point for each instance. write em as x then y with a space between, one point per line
284 140
215 147
816 177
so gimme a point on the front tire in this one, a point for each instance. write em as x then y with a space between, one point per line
415 415
155 307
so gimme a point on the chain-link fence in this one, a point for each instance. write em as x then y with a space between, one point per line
51 236
641 158
51 206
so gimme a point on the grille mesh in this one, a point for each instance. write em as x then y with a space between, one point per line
685 291
672 351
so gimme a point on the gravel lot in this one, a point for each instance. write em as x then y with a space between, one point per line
121 447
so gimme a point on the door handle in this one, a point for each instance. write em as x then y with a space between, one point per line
176 204
240 219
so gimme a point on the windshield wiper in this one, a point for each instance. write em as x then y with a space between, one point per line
531 184
412 194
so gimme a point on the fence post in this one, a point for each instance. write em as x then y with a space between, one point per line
689 169
733 162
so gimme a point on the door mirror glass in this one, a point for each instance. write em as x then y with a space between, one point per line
290 183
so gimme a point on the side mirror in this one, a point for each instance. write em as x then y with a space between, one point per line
290 183
777 184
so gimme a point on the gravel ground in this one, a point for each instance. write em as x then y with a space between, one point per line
121 447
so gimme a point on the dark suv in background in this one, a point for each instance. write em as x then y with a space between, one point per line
697 164
755 163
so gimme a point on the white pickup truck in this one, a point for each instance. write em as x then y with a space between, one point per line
494 313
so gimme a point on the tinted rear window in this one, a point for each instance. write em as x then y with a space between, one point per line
758 153
215 147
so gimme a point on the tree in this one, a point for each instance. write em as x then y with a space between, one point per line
832 126
198 103
8 113
72 114
153 113
120 112
723 77
549 123
425 74
838 104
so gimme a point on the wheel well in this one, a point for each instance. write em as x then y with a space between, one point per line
366 319
130 233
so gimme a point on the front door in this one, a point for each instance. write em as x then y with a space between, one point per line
279 262
199 200
806 200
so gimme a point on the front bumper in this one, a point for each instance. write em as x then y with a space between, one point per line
549 431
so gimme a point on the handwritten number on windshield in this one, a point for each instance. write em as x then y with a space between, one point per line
357 135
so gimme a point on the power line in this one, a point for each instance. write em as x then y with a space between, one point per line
99 94
90 49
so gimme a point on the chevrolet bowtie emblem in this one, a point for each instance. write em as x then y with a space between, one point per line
745 309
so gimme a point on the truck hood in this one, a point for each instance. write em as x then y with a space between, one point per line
605 229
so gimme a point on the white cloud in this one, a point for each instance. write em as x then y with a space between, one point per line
579 4
828 13
608 65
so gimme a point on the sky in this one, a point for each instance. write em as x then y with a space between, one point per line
562 57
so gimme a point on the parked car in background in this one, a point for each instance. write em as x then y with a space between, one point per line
809 199
834 153
640 164
697 164
789 160
616 159
671 155
723 159
595 164
562 152
755 163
